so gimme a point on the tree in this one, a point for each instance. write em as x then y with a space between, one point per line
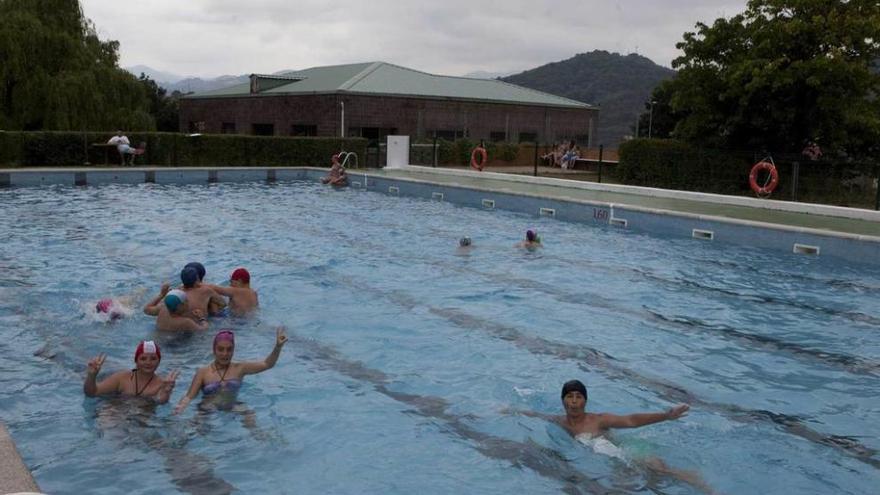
781 74
663 119
56 74
165 109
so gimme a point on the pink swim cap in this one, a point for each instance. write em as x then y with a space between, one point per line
226 335
103 306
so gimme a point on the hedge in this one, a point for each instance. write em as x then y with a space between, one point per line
65 149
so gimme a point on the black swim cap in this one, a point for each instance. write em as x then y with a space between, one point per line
200 268
574 386
189 276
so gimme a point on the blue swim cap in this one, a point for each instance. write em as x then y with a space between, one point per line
189 276
200 268
174 299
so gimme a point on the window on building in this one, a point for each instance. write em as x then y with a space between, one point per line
227 128
263 129
528 137
303 130
497 136
377 134
196 126
448 135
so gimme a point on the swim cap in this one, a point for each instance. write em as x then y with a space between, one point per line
531 235
574 386
241 274
149 347
103 306
174 299
189 276
226 335
200 268
464 241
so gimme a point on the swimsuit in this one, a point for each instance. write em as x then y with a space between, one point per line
231 386
137 392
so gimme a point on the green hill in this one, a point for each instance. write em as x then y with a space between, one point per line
619 84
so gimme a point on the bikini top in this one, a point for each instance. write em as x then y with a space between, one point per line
232 385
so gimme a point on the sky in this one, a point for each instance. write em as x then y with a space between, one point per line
208 38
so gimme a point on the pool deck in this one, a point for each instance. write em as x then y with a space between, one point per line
14 475
834 220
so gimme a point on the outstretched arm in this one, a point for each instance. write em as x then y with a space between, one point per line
223 291
254 367
641 419
152 307
107 386
194 388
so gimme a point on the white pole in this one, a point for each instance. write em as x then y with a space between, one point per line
342 120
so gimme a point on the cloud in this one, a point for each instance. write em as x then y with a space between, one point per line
213 37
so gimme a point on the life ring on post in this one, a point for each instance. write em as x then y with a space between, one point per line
772 181
484 157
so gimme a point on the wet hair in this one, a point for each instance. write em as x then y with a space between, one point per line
531 235
200 268
464 241
189 276
574 386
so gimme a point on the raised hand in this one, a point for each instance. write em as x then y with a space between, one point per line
678 411
169 381
280 337
165 288
95 364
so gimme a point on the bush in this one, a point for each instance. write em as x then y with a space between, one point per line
60 149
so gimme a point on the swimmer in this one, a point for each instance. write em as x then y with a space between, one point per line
109 307
465 245
171 310
242 299
593 428
221 380
139 382
216 305
200 297
533 241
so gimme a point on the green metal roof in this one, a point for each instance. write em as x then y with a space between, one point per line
381 78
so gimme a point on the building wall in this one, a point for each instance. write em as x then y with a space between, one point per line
368 115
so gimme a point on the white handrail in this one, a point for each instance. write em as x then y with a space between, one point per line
345 155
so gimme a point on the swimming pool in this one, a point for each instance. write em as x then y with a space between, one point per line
403 352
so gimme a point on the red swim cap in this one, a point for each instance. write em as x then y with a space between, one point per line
103 306
149 347
241 274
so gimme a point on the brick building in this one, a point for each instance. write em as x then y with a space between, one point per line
373 100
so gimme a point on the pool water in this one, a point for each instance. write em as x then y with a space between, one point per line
404 353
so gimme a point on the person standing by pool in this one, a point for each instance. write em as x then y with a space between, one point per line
139 382
170 309
592 429
219 381
242 299
533 240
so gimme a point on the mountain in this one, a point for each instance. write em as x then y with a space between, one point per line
619 84
154 74
481 74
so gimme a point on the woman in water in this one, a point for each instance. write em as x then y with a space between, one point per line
219 382
142 381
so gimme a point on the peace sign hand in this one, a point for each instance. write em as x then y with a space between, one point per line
280 337
95 364
169 381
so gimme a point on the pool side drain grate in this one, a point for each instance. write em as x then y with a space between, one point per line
805 249
355 183
619 222
706 235
437 195
393 190
547 212
489 203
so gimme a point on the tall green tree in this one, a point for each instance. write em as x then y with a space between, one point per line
781 74
56 74
163 107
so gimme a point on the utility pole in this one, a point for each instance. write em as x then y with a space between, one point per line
651 119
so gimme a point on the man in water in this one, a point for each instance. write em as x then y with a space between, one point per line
593 428
199 296
171 309
242 299
139 382
533 240
216 305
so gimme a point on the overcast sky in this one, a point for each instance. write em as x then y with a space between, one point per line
207 38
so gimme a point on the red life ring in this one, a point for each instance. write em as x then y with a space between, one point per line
483 158
768 186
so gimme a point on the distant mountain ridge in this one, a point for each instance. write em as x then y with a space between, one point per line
618 84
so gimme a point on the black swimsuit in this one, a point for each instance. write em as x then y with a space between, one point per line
137 392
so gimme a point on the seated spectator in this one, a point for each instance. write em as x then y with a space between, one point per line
570 157
124 147
337 176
